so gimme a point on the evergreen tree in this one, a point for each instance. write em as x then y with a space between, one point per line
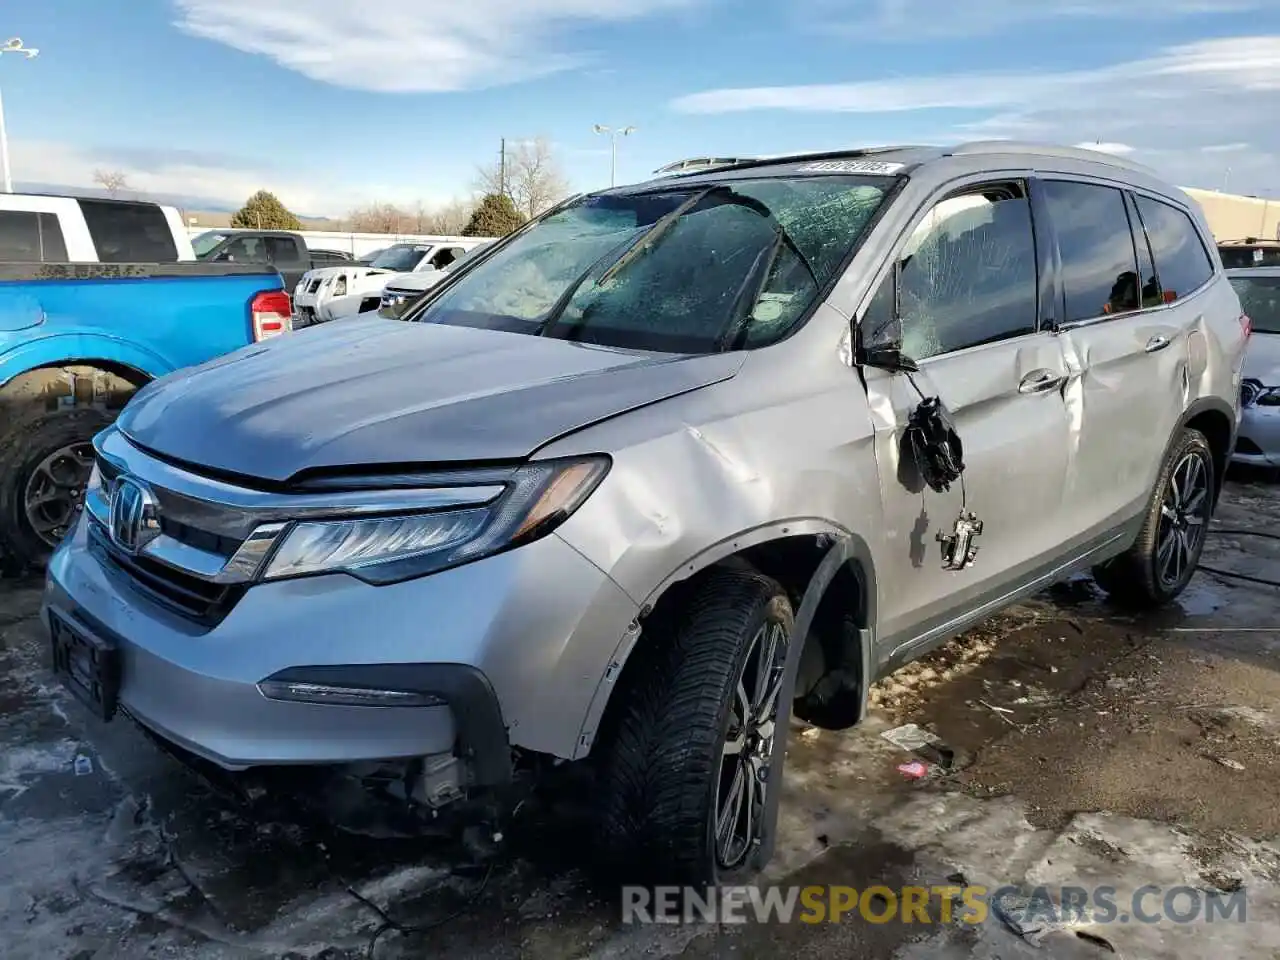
496 216
264 211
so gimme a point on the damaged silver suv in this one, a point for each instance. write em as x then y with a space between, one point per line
666 467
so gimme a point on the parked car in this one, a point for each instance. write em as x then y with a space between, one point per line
40 228
670 464
284 250
401 290
1258 443
76 341
320 257
1249 252
338 293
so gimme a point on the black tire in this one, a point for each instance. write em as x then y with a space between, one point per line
66 436
1141 577
663 761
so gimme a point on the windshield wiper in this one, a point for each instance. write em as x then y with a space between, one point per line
649 239
631 249
548 323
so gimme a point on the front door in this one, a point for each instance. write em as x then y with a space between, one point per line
970 302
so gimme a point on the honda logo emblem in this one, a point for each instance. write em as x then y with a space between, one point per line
134 518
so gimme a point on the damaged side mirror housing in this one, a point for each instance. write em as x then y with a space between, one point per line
878 337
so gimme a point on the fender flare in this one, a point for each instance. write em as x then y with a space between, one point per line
82 349
849 548
846 546
1194 409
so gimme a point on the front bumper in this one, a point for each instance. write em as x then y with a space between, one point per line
515 646
1258 439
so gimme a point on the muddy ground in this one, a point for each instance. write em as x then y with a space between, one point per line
1081 747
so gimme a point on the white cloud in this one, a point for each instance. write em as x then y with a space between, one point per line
1168 107
413 46
915 20
1116 149
180 174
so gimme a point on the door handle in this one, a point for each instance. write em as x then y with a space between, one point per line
1041 381
1157 342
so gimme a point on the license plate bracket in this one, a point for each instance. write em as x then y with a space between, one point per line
88 665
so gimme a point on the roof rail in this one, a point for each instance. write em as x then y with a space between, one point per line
986 147
701 164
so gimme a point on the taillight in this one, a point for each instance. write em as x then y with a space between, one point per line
1246 325
272 314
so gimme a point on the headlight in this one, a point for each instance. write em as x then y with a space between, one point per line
538 498
1253 393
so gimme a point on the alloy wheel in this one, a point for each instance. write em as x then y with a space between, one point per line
739 812
55 490
1184 515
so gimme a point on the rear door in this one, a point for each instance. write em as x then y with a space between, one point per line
972 294
1126 351
289 257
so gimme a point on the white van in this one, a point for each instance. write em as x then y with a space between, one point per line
35 228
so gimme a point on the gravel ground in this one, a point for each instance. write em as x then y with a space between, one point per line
1084 747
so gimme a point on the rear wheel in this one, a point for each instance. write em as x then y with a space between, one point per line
689 764
1160 564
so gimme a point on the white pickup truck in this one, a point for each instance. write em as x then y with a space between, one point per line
335 293
35 228
403 289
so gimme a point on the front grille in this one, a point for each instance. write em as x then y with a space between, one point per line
199 600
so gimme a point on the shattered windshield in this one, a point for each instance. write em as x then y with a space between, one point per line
1260 299
699 269
401 259
203 244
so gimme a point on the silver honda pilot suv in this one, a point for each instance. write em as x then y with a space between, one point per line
668 466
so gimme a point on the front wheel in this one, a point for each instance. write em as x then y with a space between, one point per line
689 765
1160 564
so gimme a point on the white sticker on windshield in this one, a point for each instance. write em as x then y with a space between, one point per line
881 167
1257 254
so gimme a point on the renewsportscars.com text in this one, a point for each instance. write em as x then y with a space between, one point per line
970 904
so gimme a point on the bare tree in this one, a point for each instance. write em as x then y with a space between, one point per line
114 182
379 218
449 219
533 177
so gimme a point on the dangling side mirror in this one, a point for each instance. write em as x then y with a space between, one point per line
878 337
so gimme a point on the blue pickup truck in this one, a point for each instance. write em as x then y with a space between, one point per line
76 341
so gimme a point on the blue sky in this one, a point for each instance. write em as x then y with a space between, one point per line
334 103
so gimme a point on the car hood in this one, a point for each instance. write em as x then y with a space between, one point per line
416 282
1262 359
374 392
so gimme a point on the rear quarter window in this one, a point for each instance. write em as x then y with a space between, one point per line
28 237
1182 262
129 232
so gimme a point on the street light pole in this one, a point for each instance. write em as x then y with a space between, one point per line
12 46
613 147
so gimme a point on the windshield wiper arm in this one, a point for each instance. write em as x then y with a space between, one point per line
649 239
630 250
558 308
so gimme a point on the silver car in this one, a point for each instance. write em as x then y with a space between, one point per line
1258 444
669 465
